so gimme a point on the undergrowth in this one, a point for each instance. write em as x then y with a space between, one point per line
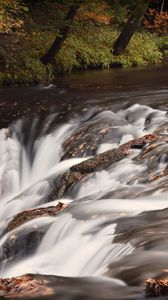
89 46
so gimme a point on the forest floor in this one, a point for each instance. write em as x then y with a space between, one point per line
28 34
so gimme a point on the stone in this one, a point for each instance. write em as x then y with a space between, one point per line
156 288
100 129
107 158
24 286
28 215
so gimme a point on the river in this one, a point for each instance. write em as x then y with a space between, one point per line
113 235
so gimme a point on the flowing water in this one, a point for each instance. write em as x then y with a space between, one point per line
114 233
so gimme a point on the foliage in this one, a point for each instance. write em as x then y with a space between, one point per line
142 50
93 50
31 71
31 31
95 14
23 65
120 12
156 21
10 14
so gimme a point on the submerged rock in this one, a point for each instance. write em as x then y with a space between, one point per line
28 215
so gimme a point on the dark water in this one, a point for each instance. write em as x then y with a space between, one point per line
79 96
143 85
73 92
153 77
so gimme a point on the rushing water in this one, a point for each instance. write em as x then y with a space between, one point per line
115 228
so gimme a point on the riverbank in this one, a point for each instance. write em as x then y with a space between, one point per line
89 45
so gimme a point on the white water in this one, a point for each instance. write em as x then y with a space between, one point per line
74 250
79 242
20 180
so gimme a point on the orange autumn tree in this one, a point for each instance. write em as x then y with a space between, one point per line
10 15
95 13
156 21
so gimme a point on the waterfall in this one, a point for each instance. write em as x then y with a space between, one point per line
81 241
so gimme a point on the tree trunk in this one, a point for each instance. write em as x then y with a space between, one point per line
162 6
130 27
63 33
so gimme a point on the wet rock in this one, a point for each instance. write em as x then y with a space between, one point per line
154 146
135 268
65 183
141 142
154 118
155 157
25 240
129 191
156 288
86 140
21 243
147 231
24 286
100 161
107 158
28 215
60 288
153 151
152 175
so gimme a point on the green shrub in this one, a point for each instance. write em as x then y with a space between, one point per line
31 72
93 49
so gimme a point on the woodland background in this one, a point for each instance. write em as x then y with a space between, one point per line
28 29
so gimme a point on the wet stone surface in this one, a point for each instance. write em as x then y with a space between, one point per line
86 140
24 287
21 244
28 215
